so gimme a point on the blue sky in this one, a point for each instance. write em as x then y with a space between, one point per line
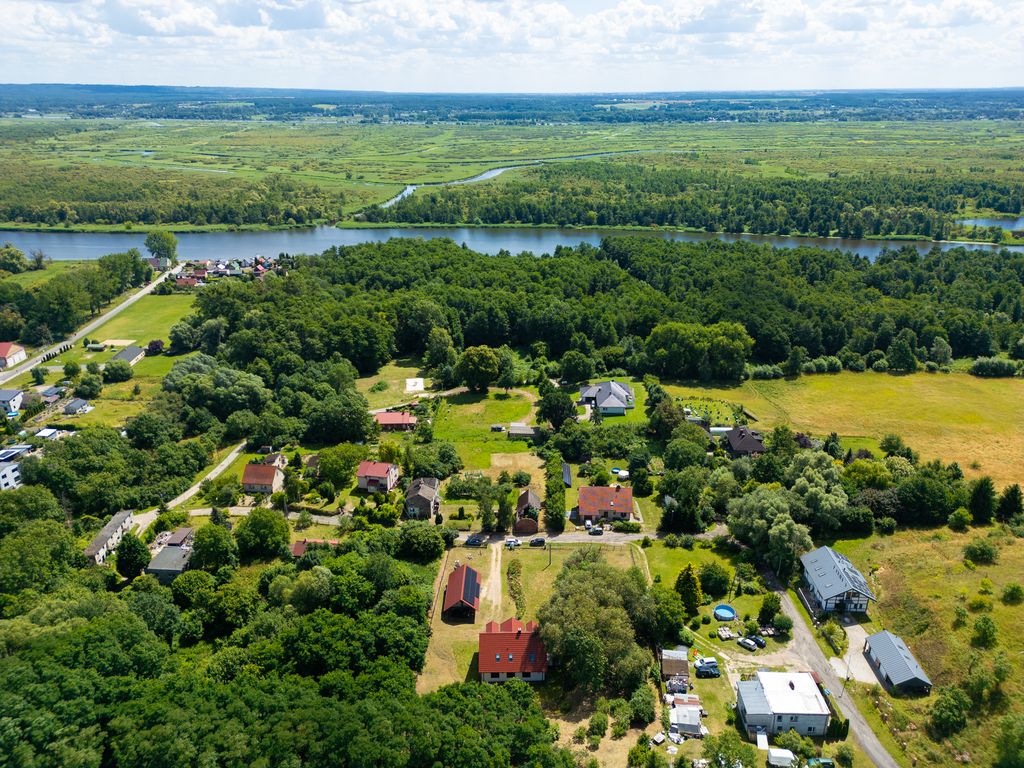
517 46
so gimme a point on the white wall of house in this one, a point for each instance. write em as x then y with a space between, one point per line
10 476
499 677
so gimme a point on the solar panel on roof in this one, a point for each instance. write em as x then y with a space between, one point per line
470 588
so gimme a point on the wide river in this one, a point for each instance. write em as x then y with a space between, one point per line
233 245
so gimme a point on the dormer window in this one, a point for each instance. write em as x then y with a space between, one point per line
510 657
497 658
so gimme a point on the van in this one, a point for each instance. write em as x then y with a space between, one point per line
586 524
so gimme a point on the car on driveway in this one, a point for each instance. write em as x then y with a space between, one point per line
538 542
708 670
474 542
512 543
745 642
597 530
757 640
821 762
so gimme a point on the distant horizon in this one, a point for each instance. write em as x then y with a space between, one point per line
519 46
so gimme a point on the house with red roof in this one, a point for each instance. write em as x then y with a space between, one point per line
397 421
512 650
377 476
262 478
462 593
612 502
11 354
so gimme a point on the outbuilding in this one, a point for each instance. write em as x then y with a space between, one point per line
895 663
130 354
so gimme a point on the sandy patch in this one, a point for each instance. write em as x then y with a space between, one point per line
118 342
516 462
414 385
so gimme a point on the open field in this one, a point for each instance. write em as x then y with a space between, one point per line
372 163
36 277
394 375
466 422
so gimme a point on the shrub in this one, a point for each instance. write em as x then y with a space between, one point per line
844 752
671 541
979 603
380 386
960 613
1013 593
857 366
521 479
642 705
880 366
766 372
949 712
994 367
959 520
931 367
623 526
886 526
598 724
705 618
715 578
580 734
646 543
981 551
985 632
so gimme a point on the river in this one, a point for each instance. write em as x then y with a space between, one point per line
234 245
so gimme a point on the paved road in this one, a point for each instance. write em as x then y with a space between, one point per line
33 362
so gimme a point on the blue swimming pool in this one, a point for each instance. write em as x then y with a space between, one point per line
724 613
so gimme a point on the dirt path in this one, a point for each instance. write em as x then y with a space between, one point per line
532 415
494 591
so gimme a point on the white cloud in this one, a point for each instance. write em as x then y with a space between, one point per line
481 45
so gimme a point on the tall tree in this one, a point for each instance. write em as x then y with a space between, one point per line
983 500
163 245
688 587
132 556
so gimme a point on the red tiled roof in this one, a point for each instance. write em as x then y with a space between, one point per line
374 469
395 419
595 501
259 474
8 348
299 547
514 638
463 587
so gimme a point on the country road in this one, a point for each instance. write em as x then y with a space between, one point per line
28 365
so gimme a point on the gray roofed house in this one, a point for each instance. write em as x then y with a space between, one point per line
110 536
423 497
776 702
11 399
76 406
685 720
168 564
832 579
896 664
611 398
744 441
130 354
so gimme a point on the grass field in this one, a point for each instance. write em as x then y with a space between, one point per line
36 277
394 375
466 422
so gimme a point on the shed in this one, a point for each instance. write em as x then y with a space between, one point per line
895 663
180 538
685 721
462 594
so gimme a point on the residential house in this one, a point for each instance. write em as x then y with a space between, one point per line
199 274
512 650
686 721
376 476
10 475
832 580
110 536
776 702
168 564
180 538
527 500
395 421
613 502
130 354
76 406
895 663
527 525
462 593
11 354
187 282
262 478
611 398
11 399
423 498
744 441
278 460
674 664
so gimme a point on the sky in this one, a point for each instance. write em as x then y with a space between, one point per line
517 46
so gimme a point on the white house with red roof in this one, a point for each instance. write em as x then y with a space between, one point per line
512 650
11 354
377 476
612 502
262 478
395 421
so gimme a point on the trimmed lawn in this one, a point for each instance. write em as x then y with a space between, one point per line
394 375
466 422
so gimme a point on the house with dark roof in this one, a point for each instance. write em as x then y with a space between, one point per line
611 398
376 476
11 399
130 354
612 502
895 663
423 498
512 650
168 564
262 478
462 593
527 500
110 536
674 664
180 538
832 579
744 441
76 406
278 460
11 354
395 421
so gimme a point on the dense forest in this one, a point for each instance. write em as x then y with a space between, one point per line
628 193
170 102
74 194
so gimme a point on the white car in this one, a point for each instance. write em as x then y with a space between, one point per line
512 543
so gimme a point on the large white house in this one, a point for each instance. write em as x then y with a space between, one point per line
106 541
832 580
11 354
10 475
776 702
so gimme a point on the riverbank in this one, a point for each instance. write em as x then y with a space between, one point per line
145 229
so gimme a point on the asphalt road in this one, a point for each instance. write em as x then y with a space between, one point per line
28 365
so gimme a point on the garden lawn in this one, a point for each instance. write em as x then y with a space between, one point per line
466 422
394 375
36 277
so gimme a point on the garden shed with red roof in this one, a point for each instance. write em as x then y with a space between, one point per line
462 595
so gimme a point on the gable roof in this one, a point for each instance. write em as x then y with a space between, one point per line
463 587
506 647
299 547
527 499
597 499
259 474
129 353
374 469
107 531
75 405
424 488
395 419
6 395
832 574
745 440
897 660
8 348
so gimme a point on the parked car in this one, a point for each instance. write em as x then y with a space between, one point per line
597 530
475 542
746 642
708 670
757 640
538 542
821 762
512 543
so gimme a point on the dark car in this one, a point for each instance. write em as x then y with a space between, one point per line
537 542
597 530
475 542
757 640
708 670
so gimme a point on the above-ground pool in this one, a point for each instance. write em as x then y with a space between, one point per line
724 613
